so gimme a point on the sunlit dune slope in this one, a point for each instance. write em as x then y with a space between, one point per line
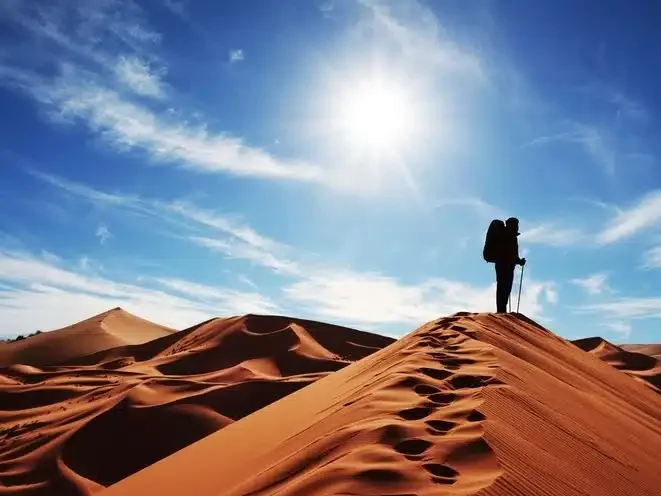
641 366
96 419
107 330
470 404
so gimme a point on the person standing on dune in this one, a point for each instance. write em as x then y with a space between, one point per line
502 249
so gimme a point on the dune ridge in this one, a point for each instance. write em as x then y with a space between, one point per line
470 404
106 330
92 420
644 367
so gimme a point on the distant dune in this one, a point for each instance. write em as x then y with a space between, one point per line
642 366
99 417
653 350
107 330
471 404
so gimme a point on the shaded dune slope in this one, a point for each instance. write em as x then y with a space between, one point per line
95 419
643 367
470 404
107 330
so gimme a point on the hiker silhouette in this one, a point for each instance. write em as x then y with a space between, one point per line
501 248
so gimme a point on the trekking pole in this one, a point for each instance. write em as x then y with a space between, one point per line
520 284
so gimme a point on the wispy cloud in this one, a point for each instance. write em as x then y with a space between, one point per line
652 258
139 77
621 328
591 139
236 55
642 215
626 308
625 105
67 294
103 233
552 234
480 206
414 30
594 284
91 42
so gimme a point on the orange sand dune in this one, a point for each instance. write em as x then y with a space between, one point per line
107 330
643 367
470 404
95 419
653 350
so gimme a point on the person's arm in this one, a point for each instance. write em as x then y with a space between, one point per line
520 261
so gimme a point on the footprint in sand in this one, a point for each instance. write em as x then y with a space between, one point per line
416 413
425 389
442 399
438 427
413 448
441 474
472 381
439 374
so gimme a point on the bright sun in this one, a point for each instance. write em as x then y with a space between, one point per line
375 116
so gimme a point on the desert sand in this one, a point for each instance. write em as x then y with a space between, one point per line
470 404
642 366
94 419
110 329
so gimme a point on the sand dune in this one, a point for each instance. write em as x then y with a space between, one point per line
653 350
641 366
471 404
95 419
110 329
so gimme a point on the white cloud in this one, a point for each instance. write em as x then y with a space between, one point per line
239 302
127 126
626 308
103 233
91 42
652 258
66 295
139 77
378 299
236 55
594 284
623 329
551 234
643 215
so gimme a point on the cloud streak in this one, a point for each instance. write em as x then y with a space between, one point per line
64 295
642 215
92 41
594 284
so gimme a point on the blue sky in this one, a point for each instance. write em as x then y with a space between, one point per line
334 160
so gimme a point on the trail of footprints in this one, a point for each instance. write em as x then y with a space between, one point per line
447 386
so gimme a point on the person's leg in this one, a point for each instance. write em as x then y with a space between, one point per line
504 281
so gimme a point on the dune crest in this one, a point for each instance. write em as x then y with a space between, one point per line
470 404
106 330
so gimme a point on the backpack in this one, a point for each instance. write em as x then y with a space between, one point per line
493 241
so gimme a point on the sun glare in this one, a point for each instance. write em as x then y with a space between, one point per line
375 116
